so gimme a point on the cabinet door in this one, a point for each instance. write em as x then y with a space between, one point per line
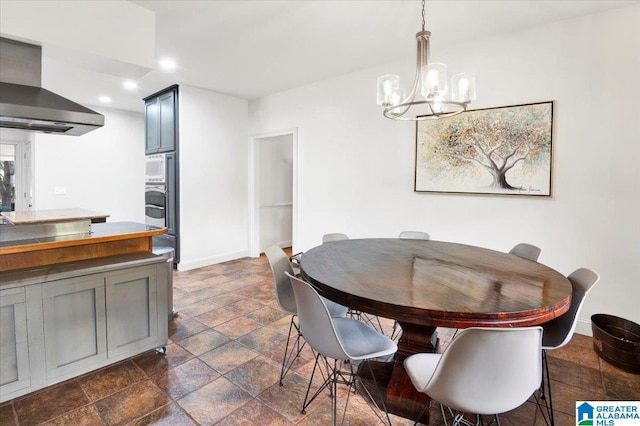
14 355
152 126
132 310
74 325
172 187
167 123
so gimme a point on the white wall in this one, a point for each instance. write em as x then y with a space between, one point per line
356 168
102 170
213 177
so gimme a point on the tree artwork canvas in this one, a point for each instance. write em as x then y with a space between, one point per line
505 150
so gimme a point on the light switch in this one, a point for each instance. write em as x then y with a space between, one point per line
60 190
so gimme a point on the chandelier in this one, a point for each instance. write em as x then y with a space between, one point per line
432 95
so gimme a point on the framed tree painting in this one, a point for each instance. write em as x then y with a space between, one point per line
504 150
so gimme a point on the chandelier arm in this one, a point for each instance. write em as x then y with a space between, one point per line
459 107
425 37
416 82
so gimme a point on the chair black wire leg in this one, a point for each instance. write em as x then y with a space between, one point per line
305 404
335 395
379 324
444 417
545 365
382 398
421 413
328 371
395 331
286 350
356 379
545 393
296 348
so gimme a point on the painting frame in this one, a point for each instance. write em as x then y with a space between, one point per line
504 150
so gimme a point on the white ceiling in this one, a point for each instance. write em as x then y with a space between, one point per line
250 49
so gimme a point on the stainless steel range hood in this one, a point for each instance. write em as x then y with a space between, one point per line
39 110
25 105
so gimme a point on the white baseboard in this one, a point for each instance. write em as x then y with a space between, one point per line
584 327
285 244
282 244
199 263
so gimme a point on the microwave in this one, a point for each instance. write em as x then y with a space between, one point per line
155 168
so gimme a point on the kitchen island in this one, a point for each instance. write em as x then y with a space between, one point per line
49 237
75 302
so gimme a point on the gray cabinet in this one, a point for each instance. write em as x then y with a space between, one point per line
132 311
14 353
161 136
60 322
74 325
161 113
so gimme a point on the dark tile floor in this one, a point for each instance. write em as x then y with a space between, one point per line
223 363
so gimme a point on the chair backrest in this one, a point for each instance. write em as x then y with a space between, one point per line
488 370
316 324
526 251
559 331
327 238
280 265
414 235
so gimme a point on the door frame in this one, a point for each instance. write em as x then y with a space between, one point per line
254 193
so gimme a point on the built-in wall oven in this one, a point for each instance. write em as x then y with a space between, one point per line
159 207
155 204
155 191
160 198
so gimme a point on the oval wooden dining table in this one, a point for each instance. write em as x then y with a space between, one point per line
425 284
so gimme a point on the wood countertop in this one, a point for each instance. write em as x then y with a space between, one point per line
105 239
61 271
100 232
51 215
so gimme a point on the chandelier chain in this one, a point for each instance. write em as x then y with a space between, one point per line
423 15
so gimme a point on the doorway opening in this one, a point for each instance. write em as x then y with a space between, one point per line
273 190
16 171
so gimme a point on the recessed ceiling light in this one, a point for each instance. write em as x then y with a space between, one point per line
130 84
104 99
168 64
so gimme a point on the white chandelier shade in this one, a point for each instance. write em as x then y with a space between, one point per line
432 94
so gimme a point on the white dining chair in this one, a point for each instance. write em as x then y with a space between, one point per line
338 339
372 320
336 236
280 266
526 251
483 371
559 331
414 235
